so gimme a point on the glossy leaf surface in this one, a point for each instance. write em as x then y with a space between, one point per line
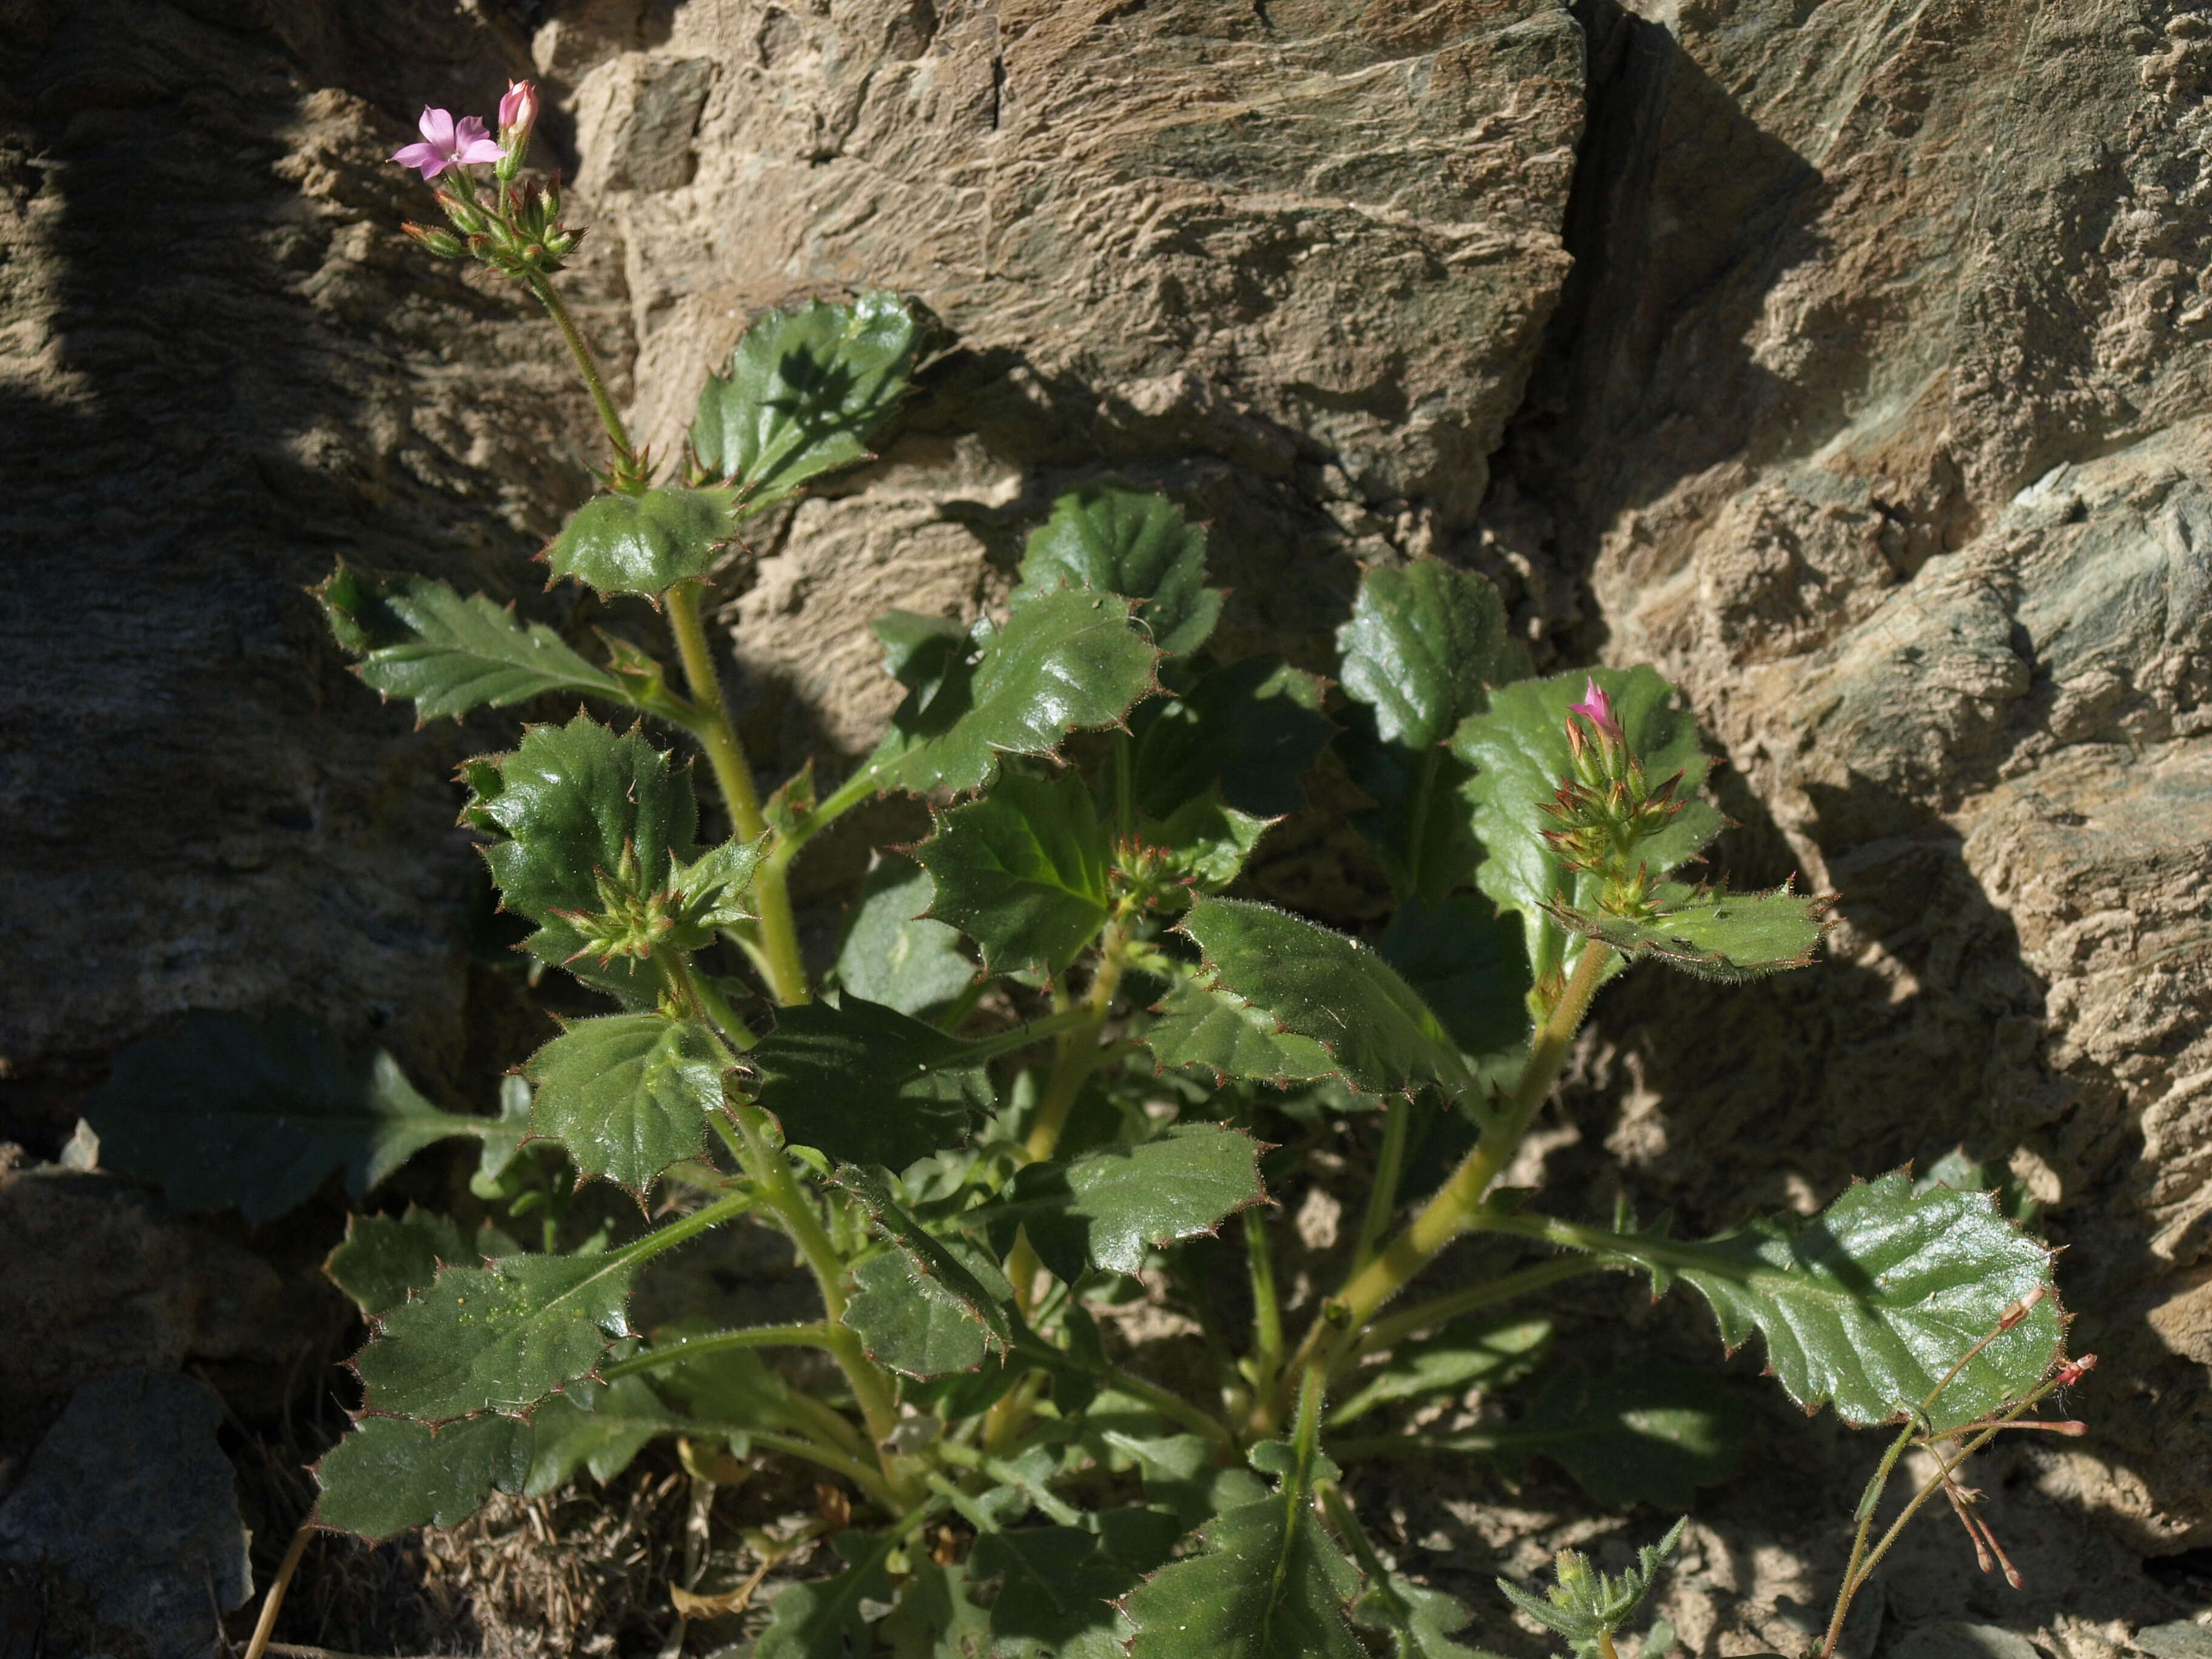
1199 1025
806 390
498 1337
222 1109
384 1257
912 1322
1712 935
420 639
867 1084
1021 870
392 1474
1331 989
1105 1208
1108 538
645 543
1068 661
1518 749
627 1095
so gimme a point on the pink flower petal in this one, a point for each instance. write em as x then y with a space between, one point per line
1597 707
470 130
428 157
481 149
510 106
438 127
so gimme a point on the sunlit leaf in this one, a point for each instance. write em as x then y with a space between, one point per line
1198 1024
1108 538
1712 935
627 1095
618 542
384 1257
1105 1208
392 1474
1268 1584
1021 870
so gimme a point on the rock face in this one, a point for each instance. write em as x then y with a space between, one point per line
1853 364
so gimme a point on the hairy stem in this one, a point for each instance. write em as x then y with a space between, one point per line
1267 1305
733 776
1457 1207
610 416
1383 1196
1079 1050
1443 1310
694 1347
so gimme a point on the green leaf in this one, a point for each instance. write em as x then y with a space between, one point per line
627 1095
1587 1606
497 1338
572 803
979 1295
1867 1304
1068 661
863 1083
1713 935
1467 962
390 1474
1518 749
222 1109
823 1618
1206 841
1057 1585
383 1257
1490 1351
806 391
1252 729
1106 1208
643 543
595 1427
1021 870
1179 1474
893 954
1270 1585
421 639
1108 538
911 1323
936 1618
1334 991
1419 1621
1652 1435
1424 644
1199 1025
710 891
919 651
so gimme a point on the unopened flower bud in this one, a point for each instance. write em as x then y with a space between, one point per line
518 114
443 243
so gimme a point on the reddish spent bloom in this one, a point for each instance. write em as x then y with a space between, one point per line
1597 708
448 143
518 113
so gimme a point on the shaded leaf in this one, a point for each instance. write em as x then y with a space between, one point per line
1330 989
1252 729
892 953
910 1322
936 1617
1867 1304
1490 1351
596 1427
981 1292
1180 1474
1467 962
1108 538
1518 749
1198 1024
1057 1585
644 544
419 639
1419 1621
864 1083
1106 1208
1713 935
1269 1585
383 1257
1423 646
223 1109
497 1338
1651 1435
627 1095
392 1474
805 391
823 1618
1063 662
1021 870
572 803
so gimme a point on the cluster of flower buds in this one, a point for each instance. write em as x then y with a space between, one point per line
629 921
518 229
1606 805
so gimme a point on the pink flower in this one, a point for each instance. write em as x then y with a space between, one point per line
448 143
519 108
1597 708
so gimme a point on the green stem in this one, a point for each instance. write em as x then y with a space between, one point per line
1457 1207
695 1347
1021 1036
1028 1342
719 1010
1443 1310
1267 1305
873 1391
877 1486
1125 810
610 416
682 1229
1079 1050
1383 1196
733 775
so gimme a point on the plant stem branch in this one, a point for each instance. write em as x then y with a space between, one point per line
273 1600
694 1347
1443 1310
1457 1207
1266 1305
1079 1051
1383 1196
610 416
733 775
